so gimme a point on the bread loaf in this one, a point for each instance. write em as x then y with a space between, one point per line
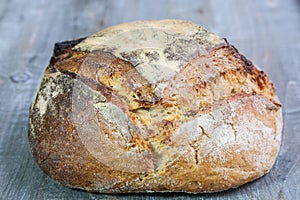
154 106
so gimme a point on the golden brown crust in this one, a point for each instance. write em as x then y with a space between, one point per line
99 123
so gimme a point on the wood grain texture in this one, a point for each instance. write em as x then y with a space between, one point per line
266 31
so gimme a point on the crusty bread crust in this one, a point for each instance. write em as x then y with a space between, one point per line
100 122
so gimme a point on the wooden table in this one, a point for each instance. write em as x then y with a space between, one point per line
266 31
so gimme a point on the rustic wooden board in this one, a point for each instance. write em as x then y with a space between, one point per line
266 31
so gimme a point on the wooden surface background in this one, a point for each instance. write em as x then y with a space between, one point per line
266 31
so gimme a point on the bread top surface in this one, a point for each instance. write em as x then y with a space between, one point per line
162 77
156 49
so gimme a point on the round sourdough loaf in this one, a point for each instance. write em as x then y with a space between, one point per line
154 106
